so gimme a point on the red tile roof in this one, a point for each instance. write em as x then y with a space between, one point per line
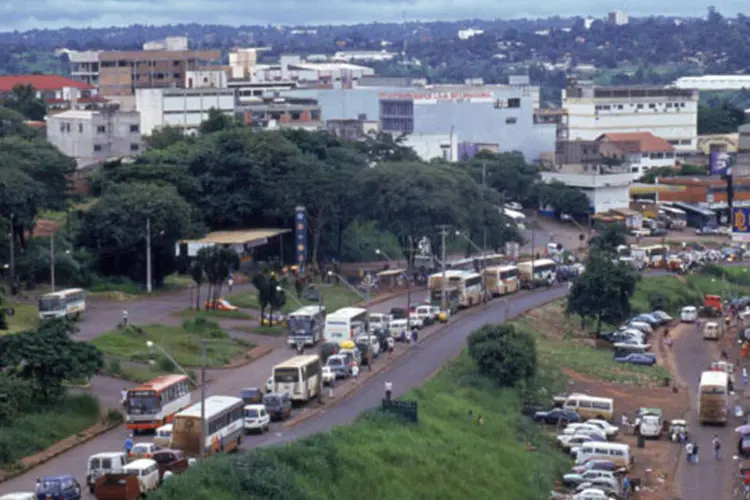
647 142
41 82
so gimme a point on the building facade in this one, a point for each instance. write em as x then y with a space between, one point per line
638 151
93 137
58 92
669 113
184 108
618 18
713 82
353 130
604 191
434 146
281 112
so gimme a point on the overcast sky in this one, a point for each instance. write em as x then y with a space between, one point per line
30 14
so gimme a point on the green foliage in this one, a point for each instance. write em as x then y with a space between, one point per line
164 137
503 353
684 169
444 457
216 122
658 301
216 263
722 119
564 198
603 291
48 356
333 297
24 101
608 238
269 292
360 239
12 124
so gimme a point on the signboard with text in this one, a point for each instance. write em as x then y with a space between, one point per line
435 97
741 223
720 163
300 237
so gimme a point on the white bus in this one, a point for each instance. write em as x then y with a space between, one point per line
470 287
676 218
652 256
544 271
345 324
713 398
478 262
155 403
299 376
224 426
306 325
70 304
501 280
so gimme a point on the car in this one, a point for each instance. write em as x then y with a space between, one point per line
429 314
251 395
339 365
574 441
416 321
645 318
571 479
659 231
380 321
270 384
609 430
514 205
371 341
605 484
632 345
142 450
595 464
278 405
592 431
662 316
19 496
593 494
104 463
639 325
257 418
556 415
397 327
220 305
572 428
59 487
636 358
328 375
689 314
174 461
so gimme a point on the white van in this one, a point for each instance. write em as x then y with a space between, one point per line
18 496
711 331
689 314
112 462
380 321
163 436
591 407
147 472
614 452
651 426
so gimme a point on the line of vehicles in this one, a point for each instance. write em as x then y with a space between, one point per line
631 341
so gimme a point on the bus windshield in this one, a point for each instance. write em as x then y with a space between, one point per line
143 403
51 304
718 391
286 375
299 324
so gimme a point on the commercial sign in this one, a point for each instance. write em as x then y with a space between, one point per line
300 237
741 223
720 162
435 97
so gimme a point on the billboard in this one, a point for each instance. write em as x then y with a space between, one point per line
741 223
300 236
436 97
721 162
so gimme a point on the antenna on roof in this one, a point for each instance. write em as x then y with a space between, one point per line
403 19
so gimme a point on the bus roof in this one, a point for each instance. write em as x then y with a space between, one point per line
160 383
499 269
298 361
452 273
347 313
714 378
308 311
672 210
466 275
391 272
214 406
63 293
540 262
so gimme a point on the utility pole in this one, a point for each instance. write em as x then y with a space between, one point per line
443 298
52 261
203 399
12 257
533 254
484 230
148 254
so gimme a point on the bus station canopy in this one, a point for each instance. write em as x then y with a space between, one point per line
239 237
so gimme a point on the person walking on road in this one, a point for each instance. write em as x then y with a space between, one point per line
355 372
689 449
391 345
388 391
625 487
123 396
124 317
128 443
625 424
717 447
331 387
696 457
414 336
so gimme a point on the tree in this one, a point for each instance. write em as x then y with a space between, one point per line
685 169
506 173
49 356
23 99
12 124
609 238
722 119
197 273
114 230
603 291
216 122
384 147
565 199
164 137
658 301
261 282
503 353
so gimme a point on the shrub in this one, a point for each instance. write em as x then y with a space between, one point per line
659 301
503 353
113 367
114 416
166 364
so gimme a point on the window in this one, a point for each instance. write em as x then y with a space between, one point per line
619 106
97 147
514 102
599 405
134 128
511 121
640 106
80 128
134 147
584 404
101 129
652 106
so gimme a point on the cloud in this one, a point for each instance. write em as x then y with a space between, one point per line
90 13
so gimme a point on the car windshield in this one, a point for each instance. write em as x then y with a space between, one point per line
140 448
299 324
53 487
163 458
251 413
335 362
270 400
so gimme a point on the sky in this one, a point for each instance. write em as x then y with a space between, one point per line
30 14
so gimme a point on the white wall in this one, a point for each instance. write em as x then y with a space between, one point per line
150 105
608 198
429 146
188 109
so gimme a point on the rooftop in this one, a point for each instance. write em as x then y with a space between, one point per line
240 237
638 142
41 82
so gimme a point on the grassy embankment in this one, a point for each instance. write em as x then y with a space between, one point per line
446 456
129 357
25 317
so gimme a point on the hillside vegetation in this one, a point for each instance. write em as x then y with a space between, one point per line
446 456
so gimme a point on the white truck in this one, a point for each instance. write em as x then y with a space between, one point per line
651 422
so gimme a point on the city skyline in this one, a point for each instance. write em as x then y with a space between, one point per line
52 14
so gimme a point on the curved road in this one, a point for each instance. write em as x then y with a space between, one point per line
408 372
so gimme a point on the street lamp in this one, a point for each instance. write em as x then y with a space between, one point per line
380 252
151 345
295 299
476 247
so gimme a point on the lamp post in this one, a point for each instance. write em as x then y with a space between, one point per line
476 247
152 345
295 299
366 297
390 261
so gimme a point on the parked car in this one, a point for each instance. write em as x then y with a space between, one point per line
595 464
397 327
636 358
575 441
19 496
556 415
104 463
142 450
609 430
639 325
689 314
221 305
163 436
257 418
662 316
605 484
646 318
593 494
587 476
174 461
429 314
340 366
416 321
117 487
278 405
59 488
588 430
633 344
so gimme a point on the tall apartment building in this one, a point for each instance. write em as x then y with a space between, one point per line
93 137
184 108
618 18
666 112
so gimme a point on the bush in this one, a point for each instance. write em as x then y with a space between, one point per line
114 416
659 301
113 367
166 365
503 353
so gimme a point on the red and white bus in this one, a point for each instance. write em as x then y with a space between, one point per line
155 403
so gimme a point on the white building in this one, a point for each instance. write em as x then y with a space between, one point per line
363 56
95 136
431 146
171 43
84 66
714 82
618 18
469 33
639 151
207 78
605 191
669 113
185 108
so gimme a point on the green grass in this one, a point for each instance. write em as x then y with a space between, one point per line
192 313
334 297
121 288
445 456
34 432
183 343
141 373
26 317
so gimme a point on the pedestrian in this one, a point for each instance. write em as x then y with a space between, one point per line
696 459
388 391
230 284
625 487
128 443
355 372
331 388
38 486
637 426
391 345
717 447
124 317
668 342
123 396
368 356
689 449
724 355
625 424
414 336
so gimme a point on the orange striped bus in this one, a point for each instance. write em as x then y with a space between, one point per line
155 403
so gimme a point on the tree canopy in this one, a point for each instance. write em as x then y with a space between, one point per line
503 353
